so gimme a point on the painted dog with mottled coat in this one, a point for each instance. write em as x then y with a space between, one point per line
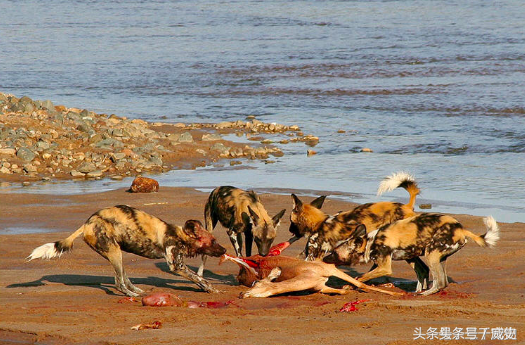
324 232
434 236
241 212
113 229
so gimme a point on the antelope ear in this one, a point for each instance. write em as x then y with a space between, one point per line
296 202
318 203
254 216
360 231
277 218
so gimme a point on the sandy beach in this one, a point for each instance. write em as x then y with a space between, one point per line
72 300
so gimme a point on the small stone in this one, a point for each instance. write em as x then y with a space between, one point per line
310 153
5 170
211 137
224 125
310 140
425 206
94 174
341 131
76 173
115 157
25 154
144 185
86 167
8 152
366 149
220 147
116 177
186 137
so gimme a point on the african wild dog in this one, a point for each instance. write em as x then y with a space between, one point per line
324 231
431 235
274 275
241 212
122 227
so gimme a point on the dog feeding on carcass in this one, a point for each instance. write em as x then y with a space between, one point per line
276 274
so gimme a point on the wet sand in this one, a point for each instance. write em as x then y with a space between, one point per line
72 300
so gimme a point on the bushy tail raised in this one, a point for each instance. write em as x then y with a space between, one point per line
400 179
490 238
54 249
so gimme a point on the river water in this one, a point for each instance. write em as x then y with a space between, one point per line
435 88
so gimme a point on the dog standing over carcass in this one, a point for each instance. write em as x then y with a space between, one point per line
434 236
323 231
241 212
113 229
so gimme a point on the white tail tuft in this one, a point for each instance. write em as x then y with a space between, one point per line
393 181
46 251
492 235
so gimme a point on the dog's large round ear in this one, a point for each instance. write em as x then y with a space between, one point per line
191 227
360 231
277 218
254 216
318 203
296 202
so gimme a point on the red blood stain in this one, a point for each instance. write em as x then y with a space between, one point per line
351 306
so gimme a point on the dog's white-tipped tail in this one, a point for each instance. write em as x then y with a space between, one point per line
492 234
400 179
394 181
54 249
46 251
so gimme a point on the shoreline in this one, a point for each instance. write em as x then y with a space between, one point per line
43 141
60 301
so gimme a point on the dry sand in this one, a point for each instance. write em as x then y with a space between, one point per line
72 300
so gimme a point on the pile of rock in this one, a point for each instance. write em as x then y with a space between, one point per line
41 140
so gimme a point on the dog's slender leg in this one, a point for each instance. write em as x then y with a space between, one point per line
248 238
422 273
438 275
200 272
185 272
384 268
239 242
130 286
114 256
233 239
444 265
177 266
210 221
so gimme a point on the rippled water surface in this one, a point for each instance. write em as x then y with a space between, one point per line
433 87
